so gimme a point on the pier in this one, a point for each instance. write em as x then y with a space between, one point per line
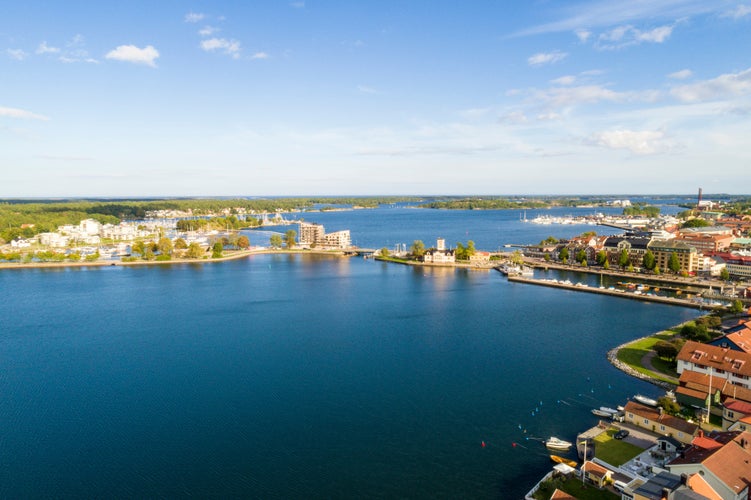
616 293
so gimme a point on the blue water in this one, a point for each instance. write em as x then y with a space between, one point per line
300 376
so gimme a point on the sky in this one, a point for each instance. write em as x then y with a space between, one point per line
314 97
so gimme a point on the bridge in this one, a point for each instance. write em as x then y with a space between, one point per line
365 252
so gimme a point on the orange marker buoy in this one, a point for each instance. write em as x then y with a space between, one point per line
482 443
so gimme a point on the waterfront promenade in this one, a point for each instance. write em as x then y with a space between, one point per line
617 293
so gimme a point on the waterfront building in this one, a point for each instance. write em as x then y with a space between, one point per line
338 239
636 246
655 420
688 257
738 263
596 474
707 241
721 460
440 254
311 234
55 240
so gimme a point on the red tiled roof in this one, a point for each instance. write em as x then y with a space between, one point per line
595 469
662 418
561 495
732 463
716 357
738 406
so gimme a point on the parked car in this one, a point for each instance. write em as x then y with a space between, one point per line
621 434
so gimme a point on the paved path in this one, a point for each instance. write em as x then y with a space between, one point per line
646 362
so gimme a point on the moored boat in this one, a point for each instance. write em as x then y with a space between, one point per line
562 460
645 400
557 444
604 411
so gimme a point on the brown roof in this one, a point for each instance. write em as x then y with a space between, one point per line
595 469
663 418
741 338
732 463
699 485
719 358
695 384
561 495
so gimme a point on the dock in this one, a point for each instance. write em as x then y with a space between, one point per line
615 293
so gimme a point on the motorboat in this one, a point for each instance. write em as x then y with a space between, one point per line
562 460
645 400
604 411
558 444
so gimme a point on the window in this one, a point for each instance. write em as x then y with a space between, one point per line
680 434
646 421
662 428
730 414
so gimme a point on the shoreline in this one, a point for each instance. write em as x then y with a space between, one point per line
236 254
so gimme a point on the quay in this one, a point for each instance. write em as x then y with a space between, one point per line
615 293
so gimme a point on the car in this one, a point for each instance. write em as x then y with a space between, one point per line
621 434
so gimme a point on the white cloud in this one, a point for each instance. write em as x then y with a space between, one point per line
546 58
208 31
513 118
194 17
133 54
624 36
474 113
604 13
17 54
739 12
366 89
583 35
583 94
730 84
657 35
260 55
640 142
229 47
564 80
21 113
46 49
681 75
297 5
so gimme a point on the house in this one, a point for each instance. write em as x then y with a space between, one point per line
725 465
737 340
561 495
479 258
668 445
596 473
734 410
734 367
659 422
440 254
660 487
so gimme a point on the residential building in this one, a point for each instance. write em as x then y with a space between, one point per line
337 239
720 362
659 487
655 420
596 474
722 460
734 410
705 243
737 263
688 257
440 254
311 234
636 246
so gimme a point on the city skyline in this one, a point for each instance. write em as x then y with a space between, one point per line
335 98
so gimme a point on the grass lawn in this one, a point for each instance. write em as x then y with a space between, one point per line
633 353
573 487
614 451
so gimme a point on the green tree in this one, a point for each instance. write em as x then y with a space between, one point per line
243 242
697 222
517 257
470 248
138 247
657 270
194 251
581 256
673 263
216 250
417 249
180 244
546 257
724 274
666 350
385 252
460 253
623 259
736 307
648 261
601 258
275 241
289 238
165 246
606 265
563 255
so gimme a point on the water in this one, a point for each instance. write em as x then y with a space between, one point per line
300 376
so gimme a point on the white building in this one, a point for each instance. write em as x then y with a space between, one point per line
338 239
440 254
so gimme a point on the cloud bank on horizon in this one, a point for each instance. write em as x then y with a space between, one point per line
293 98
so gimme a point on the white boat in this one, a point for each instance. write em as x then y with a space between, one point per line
557 444
645 400
604 411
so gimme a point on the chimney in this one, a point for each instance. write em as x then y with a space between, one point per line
701 433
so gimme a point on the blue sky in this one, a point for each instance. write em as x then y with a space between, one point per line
179 98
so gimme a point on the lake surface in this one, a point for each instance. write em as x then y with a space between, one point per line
305 377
